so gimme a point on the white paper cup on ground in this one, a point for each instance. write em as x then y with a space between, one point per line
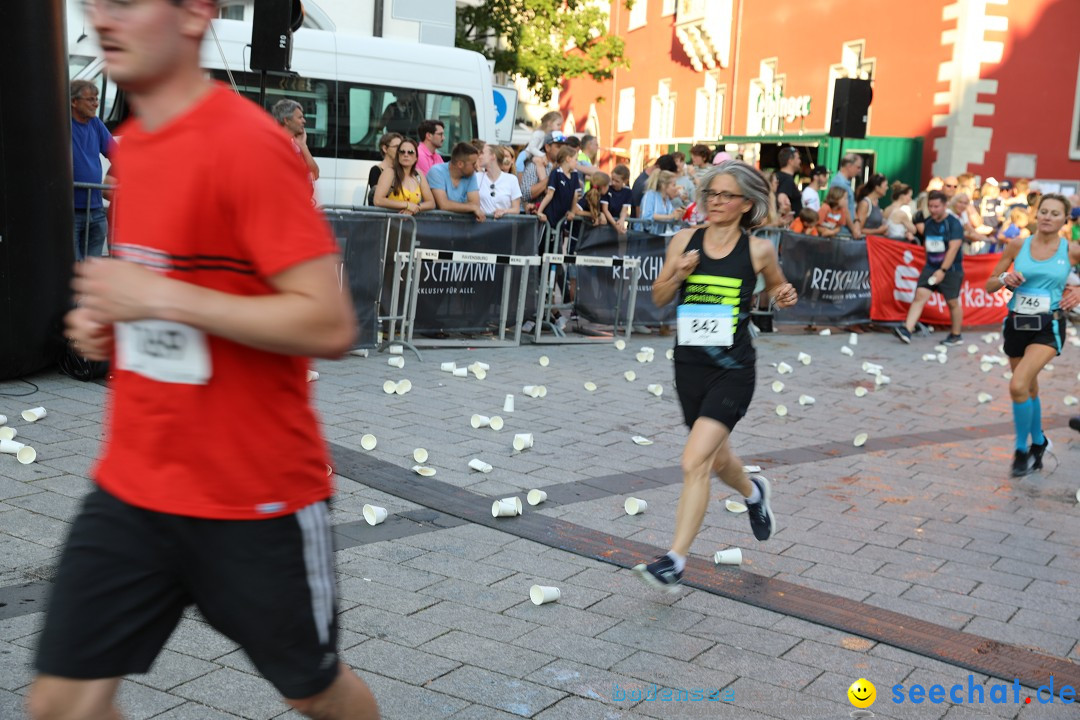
359 352
781 410
507 507
448 367
479 421
882 380
26 455
1007 375
734 506
844 349
33 414
543 594
508 404
397 349
423 471
804 358
420 455
972 349
523 441
10 447
590 386
368 441
929 357
312 376
640 440
630 376
535 497
860 391
656 389
777 386
544 361
477 371
3 419
541 391
860 439
751 468
374 514
8 433
853 339
496 423
635 506
984 397
482 365
403 386
396 361
620 344
783 368
943 358
939 349
731 556
479 465
642 357
461 372
389 387
825 333
806 400
1071 400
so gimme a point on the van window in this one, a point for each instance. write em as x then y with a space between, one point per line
315 96
370 111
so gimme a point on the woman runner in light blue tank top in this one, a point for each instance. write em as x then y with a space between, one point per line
1034 329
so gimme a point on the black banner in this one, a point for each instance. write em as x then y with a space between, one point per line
597 287
361 237
832 277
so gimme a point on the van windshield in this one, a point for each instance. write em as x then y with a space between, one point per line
372 111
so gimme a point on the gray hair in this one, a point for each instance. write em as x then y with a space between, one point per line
283 109
77 87
751 184
850 158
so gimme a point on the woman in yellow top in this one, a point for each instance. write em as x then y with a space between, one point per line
405 189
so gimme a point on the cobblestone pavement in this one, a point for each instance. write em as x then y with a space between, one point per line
923 520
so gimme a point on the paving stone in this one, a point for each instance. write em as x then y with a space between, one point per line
409 631
461 617
15 670
198 639
496 598
375 594
575 708
171 668
452 566
502 692
479 712
138 701
195 711
650 636
400 701
586 623
674 618
234 692
509 658
415 667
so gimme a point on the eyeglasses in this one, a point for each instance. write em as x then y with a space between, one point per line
91 99
406 152
952 186
724 197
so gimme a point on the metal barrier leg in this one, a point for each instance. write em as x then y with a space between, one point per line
509 271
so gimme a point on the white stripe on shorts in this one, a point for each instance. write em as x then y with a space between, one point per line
319 561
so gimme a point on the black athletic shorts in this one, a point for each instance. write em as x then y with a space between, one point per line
1016 341
722 394
126 575
949 286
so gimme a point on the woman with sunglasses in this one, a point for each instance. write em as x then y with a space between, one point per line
388 145
405 189
500 192
711 271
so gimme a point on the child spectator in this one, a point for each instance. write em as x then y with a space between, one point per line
806 222
617 203
591 206
833 215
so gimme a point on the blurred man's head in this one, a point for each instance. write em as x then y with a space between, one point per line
950 186
937 203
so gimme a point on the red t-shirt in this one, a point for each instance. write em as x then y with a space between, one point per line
216 198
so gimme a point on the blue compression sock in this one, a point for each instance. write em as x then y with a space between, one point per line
1022 422
1036 422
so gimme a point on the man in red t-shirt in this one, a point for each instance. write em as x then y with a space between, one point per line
212 487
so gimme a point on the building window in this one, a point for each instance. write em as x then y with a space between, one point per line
1074 137
667 8
626 110
662 117
639 14
709 108
232 12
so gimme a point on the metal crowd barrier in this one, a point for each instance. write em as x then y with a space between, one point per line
460 256
90 188
763 306
545 295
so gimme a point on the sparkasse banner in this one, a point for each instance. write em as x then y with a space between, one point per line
894 271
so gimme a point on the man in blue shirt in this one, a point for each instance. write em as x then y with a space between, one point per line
943 272
851 166
454 184
89 141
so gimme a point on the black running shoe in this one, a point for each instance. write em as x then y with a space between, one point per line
904 334
762 521
1074 423
1037 453
660 573
953 340
1021 463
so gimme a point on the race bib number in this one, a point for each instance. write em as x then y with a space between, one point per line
1032 302
706 325
935 245
164 351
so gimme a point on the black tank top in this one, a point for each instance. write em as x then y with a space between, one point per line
714 282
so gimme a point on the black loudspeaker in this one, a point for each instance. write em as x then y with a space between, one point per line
271 34
851 102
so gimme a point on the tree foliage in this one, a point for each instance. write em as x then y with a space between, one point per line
543 41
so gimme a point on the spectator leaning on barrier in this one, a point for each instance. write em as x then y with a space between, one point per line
591 205
686 182
534 179
806 222
454 184
618 202
898 223
404 188
499 191
89 141
790 164
388 145
868 214
811 194
432 134
851 166
658 212
700 155
563 190
586 158
833 213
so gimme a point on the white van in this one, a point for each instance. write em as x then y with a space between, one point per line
345 84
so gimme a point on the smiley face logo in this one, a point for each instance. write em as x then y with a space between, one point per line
862 693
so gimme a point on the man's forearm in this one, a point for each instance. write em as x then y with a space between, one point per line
951 253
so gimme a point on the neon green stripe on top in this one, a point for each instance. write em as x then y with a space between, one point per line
715 280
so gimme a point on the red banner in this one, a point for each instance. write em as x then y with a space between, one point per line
894 271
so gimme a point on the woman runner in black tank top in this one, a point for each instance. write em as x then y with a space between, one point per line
712 271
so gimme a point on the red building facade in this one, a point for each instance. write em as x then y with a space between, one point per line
990 87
